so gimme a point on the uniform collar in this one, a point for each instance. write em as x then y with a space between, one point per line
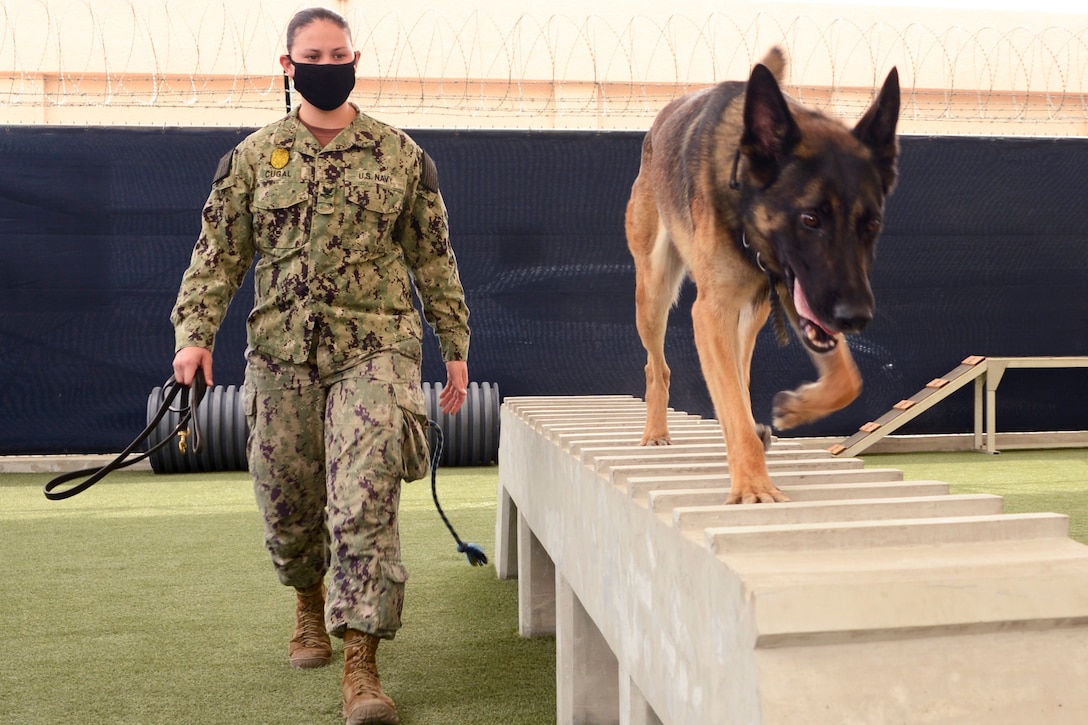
358 134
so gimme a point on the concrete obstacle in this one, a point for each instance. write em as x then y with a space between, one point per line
868 599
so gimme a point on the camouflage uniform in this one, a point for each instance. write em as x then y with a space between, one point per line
332 391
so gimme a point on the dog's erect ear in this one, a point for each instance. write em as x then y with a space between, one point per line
876 129
770 133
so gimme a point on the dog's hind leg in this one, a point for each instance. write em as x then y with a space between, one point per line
658 274
839 385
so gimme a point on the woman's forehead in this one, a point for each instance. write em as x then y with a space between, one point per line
322 35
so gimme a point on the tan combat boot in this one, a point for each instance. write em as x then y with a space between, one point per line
310 645
364 701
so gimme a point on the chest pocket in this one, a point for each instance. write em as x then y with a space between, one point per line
279 214
374 208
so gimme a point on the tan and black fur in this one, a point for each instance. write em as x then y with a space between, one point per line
754 195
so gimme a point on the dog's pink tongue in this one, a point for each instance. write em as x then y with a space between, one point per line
804 310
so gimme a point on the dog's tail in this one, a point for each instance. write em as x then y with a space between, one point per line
775 60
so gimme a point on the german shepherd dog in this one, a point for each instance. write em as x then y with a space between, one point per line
766 204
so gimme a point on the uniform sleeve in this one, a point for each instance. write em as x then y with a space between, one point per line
222 256
425 238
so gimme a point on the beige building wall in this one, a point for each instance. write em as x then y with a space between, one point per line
569 65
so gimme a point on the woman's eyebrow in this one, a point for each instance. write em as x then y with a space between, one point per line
318 50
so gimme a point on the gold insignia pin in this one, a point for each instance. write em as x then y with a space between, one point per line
280 157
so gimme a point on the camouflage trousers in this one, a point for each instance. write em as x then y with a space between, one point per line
328 450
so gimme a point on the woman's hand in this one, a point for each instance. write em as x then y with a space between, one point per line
455 393
186 362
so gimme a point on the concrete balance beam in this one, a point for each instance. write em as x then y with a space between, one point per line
867 599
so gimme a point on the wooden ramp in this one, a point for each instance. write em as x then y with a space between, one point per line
986 372
867 599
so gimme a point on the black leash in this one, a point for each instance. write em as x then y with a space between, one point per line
475 555
187 430
188 433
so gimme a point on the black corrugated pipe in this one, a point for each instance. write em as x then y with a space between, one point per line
471 436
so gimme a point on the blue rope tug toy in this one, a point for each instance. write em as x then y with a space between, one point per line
475 555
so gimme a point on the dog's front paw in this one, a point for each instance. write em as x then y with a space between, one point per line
789 410
765 493
659 440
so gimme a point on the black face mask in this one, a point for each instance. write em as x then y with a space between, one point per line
325 86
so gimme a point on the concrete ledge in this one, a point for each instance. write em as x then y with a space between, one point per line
662 500
852 534
786 478
62 464
810 512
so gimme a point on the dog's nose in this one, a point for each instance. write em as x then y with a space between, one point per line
852 318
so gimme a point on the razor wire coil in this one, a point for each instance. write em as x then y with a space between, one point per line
214 63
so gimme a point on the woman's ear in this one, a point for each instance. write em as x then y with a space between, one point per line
288 66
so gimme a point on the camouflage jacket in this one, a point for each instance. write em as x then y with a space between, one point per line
339 233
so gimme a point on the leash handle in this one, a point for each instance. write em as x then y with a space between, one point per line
171 388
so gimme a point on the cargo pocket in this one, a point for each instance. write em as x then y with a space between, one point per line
415 448
391 599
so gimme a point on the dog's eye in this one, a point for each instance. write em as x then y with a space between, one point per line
810 220
873 226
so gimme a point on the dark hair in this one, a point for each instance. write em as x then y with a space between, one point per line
305 17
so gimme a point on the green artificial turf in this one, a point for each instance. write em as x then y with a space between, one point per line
150 599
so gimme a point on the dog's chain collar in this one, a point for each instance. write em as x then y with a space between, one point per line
773 282
759 259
